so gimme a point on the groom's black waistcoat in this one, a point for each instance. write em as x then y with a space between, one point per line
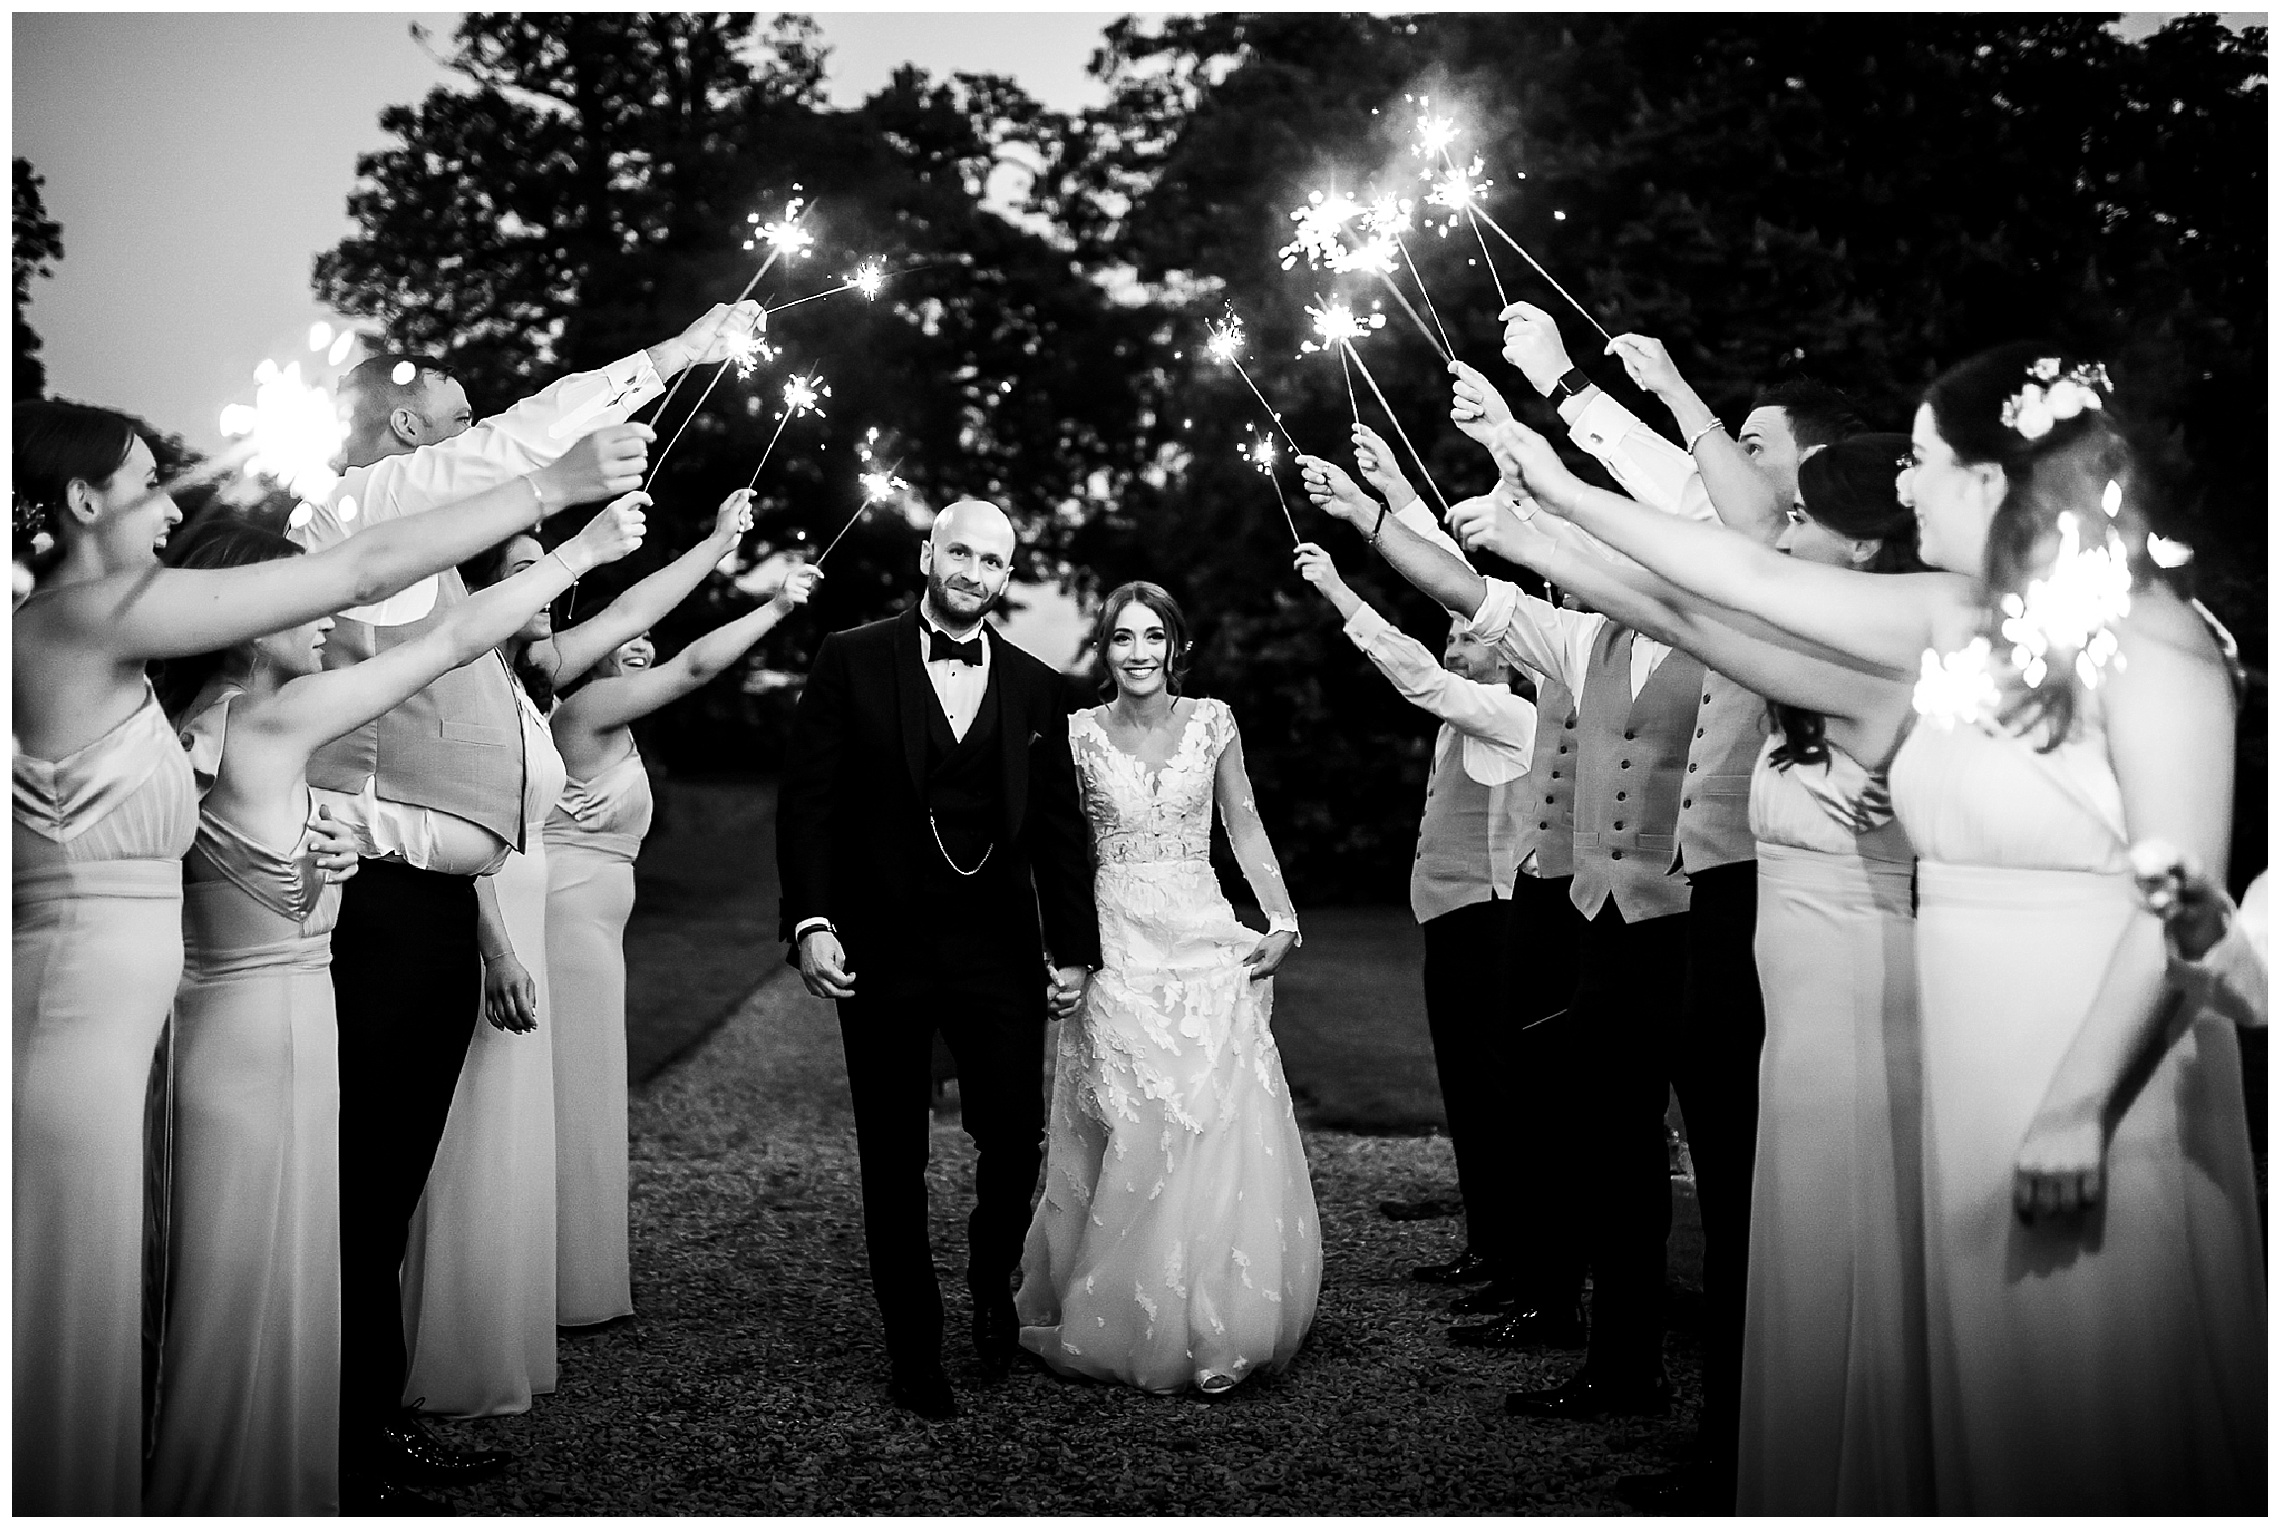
874 778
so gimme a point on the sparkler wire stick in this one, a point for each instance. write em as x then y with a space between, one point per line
1351 401
1244 373
697 409
1448 348
1422 469
1502 301
1438 348
1288 519
771 446
1540 271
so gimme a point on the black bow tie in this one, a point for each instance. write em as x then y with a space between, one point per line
940 647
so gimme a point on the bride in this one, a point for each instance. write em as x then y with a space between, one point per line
1176 1244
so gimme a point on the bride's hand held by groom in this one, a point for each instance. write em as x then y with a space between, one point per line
823 965
1065 989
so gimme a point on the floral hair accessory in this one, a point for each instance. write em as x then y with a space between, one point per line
2051 396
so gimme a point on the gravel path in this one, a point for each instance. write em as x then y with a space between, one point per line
751 1379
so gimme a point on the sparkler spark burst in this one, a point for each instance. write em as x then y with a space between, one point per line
1260 453
1336 324
1374 255
747 351
1458 187
293 430
785 234
1226 342
1388 215
1958 687
868 278
802 395
2072 609
1319 222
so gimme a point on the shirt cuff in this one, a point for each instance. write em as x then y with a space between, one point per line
800 930
1366 627
1490 622
1419 521
1597 426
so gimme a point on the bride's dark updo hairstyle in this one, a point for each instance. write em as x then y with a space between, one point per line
2053 463
1853 488
1158 599
56 445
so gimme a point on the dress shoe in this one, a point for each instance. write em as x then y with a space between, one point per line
925 1392
371 1498
408 1455
1584 1396
1694 1490
1467 1268
1489 1299
997 1335
1524 1327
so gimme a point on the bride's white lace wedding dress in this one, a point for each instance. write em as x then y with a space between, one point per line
1176 1244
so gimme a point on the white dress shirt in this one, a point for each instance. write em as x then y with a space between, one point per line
528 436
1497 729
1553 642
958 686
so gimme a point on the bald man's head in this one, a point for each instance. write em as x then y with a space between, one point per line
967 559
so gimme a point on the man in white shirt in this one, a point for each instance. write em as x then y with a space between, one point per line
433 794
1469 841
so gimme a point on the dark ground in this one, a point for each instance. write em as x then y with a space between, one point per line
750 1379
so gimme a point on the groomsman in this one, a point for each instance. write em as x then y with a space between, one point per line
1469 839
433 793
1749 483
1635 721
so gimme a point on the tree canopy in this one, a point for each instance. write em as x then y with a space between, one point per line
1863 198
37 246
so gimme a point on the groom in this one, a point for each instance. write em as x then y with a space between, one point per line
927 832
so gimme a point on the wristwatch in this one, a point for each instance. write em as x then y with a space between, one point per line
1572 382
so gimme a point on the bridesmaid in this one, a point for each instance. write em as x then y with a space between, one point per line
104 811
250 1415
2094 1282
591 842
479 1270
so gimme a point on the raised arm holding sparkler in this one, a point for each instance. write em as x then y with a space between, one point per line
572 650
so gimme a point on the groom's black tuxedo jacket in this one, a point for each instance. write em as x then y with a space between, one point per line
852 839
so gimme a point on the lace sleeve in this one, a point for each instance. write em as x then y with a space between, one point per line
1246 835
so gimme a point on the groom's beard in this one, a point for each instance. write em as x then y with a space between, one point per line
938 598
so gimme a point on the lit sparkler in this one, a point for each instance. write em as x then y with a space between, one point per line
795 213
866 279
1226 346
879 484
1459 191
1338 326
293 430
1260 454
2071 610
1321 243
802 395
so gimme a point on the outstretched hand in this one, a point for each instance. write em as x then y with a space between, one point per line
1532 343
733 518
1649 364
1334 493
1379 469
610 535
1474 403
800 581
721 331
603 463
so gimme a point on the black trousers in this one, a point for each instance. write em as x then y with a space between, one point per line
407 981
1714 1067
1466 1011
1629 998
1537 1245
997 1034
